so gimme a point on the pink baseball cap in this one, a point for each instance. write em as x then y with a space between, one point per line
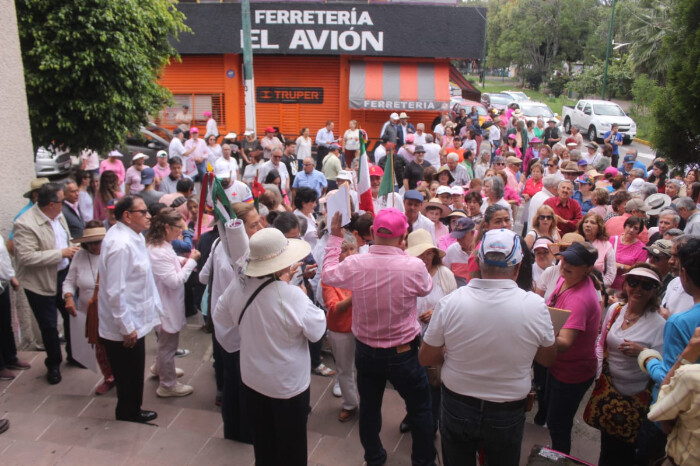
207 113
612 170
410 138
390 219
194 129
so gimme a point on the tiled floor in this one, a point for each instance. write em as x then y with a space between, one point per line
66 424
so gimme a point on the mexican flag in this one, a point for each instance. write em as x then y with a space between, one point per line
387 185
363 185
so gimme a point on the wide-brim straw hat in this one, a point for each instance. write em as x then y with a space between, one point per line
657 202
420 241
271 252
566 241
435 203
35 184
442 170
91 235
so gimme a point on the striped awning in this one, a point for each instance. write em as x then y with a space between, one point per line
399 86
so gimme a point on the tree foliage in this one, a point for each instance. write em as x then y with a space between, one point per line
619 83
539 33
676 134
91 67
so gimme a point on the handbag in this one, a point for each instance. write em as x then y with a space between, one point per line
611 412
92 321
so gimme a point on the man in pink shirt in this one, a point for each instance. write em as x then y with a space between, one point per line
385 284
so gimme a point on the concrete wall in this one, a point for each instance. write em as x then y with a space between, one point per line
16 148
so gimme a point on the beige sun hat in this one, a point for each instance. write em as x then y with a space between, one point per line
271 252
435 203
420 241
35 184
91 235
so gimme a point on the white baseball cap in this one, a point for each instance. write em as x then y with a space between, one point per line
443 190
503 241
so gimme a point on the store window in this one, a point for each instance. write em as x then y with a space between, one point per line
198 103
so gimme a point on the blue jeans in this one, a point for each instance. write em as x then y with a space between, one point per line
563 400
374 367
466 423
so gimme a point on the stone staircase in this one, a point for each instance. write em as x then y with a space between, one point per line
66 424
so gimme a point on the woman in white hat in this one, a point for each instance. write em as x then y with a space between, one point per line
114 163
81 280
132 182
628 328
276 321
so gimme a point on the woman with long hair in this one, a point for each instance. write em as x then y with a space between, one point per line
214 148
630 326
629 249
659 173
592 228
85 204
170 273
448 138
108 189
544 225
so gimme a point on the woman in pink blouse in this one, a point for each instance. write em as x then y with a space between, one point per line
108 189
114 163
628 249
170 273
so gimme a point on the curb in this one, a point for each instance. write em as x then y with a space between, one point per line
642 141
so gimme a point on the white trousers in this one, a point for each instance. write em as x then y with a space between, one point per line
343 346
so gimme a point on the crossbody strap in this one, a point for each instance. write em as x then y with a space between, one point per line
252 297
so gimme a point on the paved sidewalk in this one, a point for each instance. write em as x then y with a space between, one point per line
66 424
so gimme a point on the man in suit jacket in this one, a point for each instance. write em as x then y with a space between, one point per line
76 224
43 252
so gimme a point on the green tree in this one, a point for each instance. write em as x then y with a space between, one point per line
539 34
91 67
676 134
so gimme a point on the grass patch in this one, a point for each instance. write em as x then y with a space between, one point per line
555 103
645 123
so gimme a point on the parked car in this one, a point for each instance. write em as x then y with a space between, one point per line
457 103
496 100
149 140
52 162
518 96
595 117
533 110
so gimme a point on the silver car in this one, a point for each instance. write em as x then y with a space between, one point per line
52 162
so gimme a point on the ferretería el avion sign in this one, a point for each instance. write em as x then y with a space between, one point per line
336 29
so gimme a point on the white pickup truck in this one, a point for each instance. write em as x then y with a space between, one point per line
595 117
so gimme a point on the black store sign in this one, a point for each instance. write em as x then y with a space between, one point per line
289 95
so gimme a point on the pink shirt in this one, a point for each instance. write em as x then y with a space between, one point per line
133 180
580 362
385 284
445 242
117 167
161 172
628 254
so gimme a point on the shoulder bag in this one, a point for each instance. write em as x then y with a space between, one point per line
608 410
252 297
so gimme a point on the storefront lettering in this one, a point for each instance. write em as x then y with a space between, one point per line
289 95
308 39
349 18
259 39
398 105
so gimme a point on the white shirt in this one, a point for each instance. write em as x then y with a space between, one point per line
439 129
388 200
419 139
218 264
238 192
676 299
311 235
303 147
231 166
250 170
648 331
425 223
469 144
85 206
379 153
491 330
501 201
494 134
7 273
432 154
454 255
60 238
548 281
268 166
275 333
324 137
81 278
211 127
170 275
176 148
128 299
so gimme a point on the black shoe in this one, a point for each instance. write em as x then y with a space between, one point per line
404 426
144 417
4 425
53 376
540 418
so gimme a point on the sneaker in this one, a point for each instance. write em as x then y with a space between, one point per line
346 414
323 370
181 352
7 374
336 389
154 371
19 365
104 387
178 390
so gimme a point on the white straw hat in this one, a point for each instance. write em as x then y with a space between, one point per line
271 252
420 241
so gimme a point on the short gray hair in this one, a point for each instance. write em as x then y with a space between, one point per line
550 181
677 183
496 185
671 213
428 138
494 270
686 203
648 189
453 157
638 172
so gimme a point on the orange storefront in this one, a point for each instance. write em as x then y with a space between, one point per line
295 90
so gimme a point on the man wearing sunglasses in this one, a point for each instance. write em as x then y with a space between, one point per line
129 305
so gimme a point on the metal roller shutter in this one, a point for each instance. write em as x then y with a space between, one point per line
298 72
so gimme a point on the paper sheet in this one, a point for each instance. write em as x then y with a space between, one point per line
339 202
83 352
559 317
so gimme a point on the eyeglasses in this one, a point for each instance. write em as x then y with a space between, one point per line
140 211
499 163
646 285
546 217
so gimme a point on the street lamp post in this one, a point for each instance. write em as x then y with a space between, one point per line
607 51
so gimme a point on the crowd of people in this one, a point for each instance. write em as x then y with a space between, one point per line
429 286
